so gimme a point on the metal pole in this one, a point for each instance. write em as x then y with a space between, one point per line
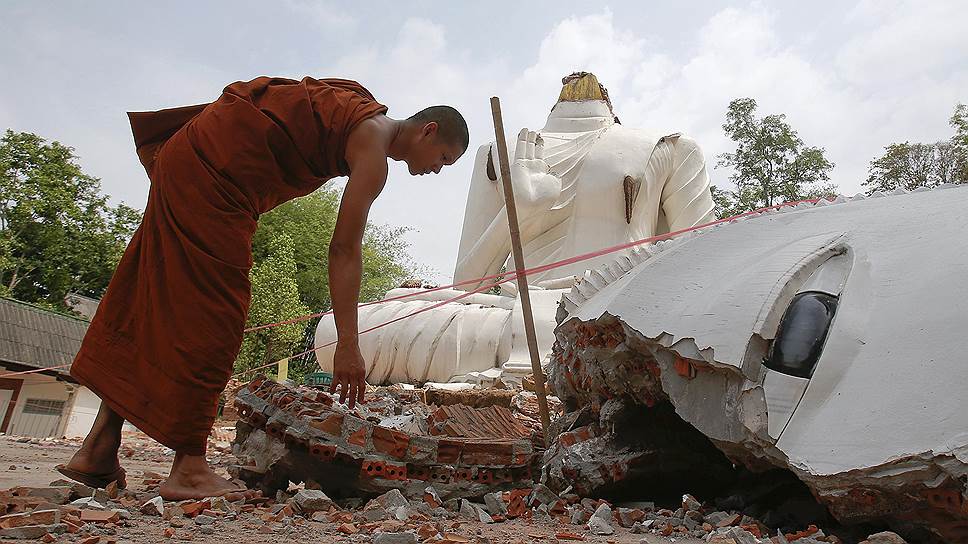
502 153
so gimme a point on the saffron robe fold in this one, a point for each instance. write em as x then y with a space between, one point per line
162 344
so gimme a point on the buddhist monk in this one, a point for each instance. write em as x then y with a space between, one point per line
162 345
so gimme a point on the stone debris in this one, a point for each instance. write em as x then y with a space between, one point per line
298 428
310 501
28 532
390 518
495 504
885 537
474 512
395 538
287 434
601 521
154 507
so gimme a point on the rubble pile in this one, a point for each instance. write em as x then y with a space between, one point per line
67 511
622 430
394 441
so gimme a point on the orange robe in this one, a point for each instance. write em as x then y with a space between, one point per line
162 345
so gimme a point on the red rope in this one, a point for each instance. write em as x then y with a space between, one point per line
505 277
510 275
381 325
34 371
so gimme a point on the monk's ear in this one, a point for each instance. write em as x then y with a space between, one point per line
430 129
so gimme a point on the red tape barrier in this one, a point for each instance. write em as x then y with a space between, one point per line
504 277
511 274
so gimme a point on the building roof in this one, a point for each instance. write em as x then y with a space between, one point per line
35 337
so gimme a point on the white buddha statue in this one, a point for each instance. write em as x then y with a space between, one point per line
581 183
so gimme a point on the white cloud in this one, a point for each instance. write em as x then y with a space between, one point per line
901 41
324 15
740 53
886 71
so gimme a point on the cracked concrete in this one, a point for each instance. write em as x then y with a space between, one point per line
876 428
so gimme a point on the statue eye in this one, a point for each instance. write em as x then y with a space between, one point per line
802 333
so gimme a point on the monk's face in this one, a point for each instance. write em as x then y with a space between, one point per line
429 153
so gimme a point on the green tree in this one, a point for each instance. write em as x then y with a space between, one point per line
275 297
57 232
309 222
959 121
911 166
771 164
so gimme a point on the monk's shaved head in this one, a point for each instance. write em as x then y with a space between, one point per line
451 126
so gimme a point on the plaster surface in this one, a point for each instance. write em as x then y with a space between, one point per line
879 428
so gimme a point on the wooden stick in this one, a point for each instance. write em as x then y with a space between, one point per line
539 380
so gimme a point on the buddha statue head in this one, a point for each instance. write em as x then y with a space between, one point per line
582 86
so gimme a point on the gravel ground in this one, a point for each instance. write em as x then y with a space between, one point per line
32 464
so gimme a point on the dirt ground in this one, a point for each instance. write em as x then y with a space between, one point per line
26 464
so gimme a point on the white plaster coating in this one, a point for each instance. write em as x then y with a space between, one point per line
891 381
591 156
569 184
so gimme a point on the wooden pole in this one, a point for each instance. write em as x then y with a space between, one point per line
502 153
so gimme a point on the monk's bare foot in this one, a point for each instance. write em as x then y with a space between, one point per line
96 463
192 478
95 468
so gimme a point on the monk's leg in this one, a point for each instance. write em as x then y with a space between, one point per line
98 455
192 478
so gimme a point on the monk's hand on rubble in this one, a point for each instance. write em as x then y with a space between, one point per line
349 373
534 184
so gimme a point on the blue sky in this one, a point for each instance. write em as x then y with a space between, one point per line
851 76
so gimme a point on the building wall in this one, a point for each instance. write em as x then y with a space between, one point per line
38 391
82 414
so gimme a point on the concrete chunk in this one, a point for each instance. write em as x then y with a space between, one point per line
312 500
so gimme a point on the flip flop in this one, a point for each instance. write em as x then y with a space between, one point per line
96 481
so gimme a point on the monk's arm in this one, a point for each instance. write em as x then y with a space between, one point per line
368 164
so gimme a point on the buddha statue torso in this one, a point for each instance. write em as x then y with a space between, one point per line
597 184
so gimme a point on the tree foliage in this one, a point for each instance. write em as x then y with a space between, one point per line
959 121
275 297
57 232
308 224
771 163
910 166
309 221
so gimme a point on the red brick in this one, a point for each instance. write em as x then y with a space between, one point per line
483 476
193 508
99 516
358 438
331 424
390 442
685 368
441 475
416 472
515 500
275 429
348 528
373 469
488 453
324 452
42 517
395 471
448 451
